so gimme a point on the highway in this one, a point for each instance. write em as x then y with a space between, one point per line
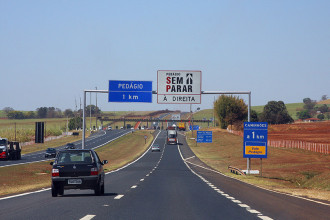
171 184
95 140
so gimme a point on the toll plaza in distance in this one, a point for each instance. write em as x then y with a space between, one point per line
255 140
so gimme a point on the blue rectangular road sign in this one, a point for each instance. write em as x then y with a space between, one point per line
196 127
255 140
130 91
204 136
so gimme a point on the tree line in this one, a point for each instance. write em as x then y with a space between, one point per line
49 112
311 110
231 110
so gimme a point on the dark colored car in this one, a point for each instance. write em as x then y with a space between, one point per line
77 169
70 146
50 152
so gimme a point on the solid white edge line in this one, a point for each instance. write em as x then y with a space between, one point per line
42 190
42 153
311 200
24 194
186 162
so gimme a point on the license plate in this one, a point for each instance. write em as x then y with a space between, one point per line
74 181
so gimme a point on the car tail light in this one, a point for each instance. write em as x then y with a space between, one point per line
55 172
94 171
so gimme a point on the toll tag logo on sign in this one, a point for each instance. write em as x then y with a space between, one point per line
178 87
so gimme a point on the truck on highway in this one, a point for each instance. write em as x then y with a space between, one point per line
181 126
9 150
172 137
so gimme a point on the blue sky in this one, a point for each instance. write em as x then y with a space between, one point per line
50 51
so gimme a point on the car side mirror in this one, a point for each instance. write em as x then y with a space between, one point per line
104 162
51 163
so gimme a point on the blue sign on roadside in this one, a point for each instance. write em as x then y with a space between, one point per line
130 91
255 140
196 127
204 136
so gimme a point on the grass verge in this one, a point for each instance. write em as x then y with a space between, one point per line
53 143
292 171
28 177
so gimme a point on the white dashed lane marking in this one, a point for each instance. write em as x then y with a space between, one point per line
88 217
119 197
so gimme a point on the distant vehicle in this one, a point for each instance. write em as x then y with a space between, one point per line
109 128
9 150
77 169
121 127
172 137
155 147
50 152
181 126
70 146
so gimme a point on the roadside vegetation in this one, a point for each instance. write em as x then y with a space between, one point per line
28 177
292 171
24 129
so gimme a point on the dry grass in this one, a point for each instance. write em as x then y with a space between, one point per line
53 143
28 177
289 170
327 102
124 150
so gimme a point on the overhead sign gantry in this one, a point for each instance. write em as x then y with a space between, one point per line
173 87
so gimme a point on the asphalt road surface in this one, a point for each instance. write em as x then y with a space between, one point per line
95 140
171 184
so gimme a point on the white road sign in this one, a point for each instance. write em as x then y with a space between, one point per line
179 87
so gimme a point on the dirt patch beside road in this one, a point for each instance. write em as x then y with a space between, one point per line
317 132
295 171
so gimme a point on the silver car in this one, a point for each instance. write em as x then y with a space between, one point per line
155 147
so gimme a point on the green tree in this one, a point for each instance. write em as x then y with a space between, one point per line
94 110
75 123
304 114
7 110
320 116
324 108
68 113
15 115
254 116
309 104
229 110
30 114
276 113
42 112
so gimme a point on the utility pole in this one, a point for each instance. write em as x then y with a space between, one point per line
96 112
90 112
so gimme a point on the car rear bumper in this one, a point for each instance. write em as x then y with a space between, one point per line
88 182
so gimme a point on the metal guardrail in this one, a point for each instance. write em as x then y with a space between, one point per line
235 170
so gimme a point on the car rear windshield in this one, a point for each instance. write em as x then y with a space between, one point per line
82 157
